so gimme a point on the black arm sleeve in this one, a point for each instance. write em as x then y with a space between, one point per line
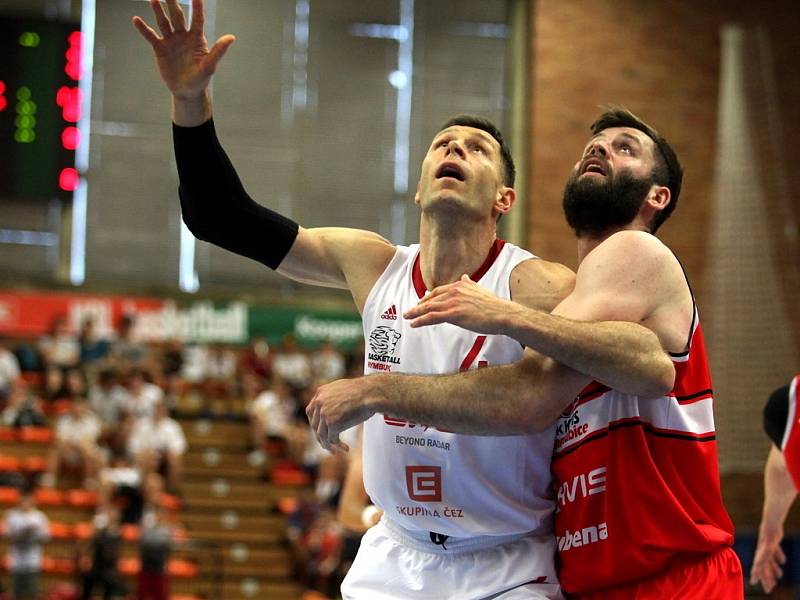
217 209
776 413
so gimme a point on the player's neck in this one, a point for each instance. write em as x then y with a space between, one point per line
446 253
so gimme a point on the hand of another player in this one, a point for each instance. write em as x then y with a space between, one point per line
184 60
338 406
463 303
768 563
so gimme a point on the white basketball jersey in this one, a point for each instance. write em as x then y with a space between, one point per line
431 480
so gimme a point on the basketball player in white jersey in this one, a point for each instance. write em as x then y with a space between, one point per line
464 517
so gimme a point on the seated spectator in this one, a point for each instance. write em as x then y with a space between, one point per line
121 485
127 352
291 364
143 394
158 445
257 359
110 401
328 363
271 413
75 383
26 528
155 546
220 371
100 566
60 348
9 371
53 384
23 409
76 444
171 370
93 348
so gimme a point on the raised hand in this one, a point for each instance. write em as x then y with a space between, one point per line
463 303
184 60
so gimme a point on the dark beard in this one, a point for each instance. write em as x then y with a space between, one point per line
594 207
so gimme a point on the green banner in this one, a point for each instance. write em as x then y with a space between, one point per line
309 327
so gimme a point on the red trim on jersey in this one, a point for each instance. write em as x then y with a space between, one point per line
419 282
472 354
646 426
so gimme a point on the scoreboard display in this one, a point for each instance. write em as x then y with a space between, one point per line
40 106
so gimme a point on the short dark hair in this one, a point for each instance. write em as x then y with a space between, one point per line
667 171
465 120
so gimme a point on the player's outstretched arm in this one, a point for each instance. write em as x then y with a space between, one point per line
779 494
215 206
609 328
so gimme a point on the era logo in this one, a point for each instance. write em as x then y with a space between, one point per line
424 483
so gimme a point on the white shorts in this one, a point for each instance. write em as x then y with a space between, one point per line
392 565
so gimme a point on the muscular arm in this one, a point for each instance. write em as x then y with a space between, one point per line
613 328
779 494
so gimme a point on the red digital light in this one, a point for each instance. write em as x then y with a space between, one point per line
68 179
73 54
2 87
69 99
3 101
70 138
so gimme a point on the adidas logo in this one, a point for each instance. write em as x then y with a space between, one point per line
390 314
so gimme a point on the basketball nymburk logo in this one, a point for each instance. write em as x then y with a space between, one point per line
390 314
382 345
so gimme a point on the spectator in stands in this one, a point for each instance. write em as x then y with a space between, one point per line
158 445
171 370
26 528
104 554
94 348
76 444
60 348
220 371
328 363
271 414
144 395
53 384
257 359
291 364
121 485
127 351
23 409
110 401
9 371
75 383
155 546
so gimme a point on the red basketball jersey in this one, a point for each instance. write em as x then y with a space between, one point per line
791 437
637 480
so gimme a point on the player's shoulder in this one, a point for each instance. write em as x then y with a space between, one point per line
633 252
541 283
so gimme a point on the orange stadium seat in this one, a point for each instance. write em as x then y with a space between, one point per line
34 464
83 530
60 531
38 435
130 533
9 495
128 566
84 498
182 568
9 463
7 434
170 502
49 497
